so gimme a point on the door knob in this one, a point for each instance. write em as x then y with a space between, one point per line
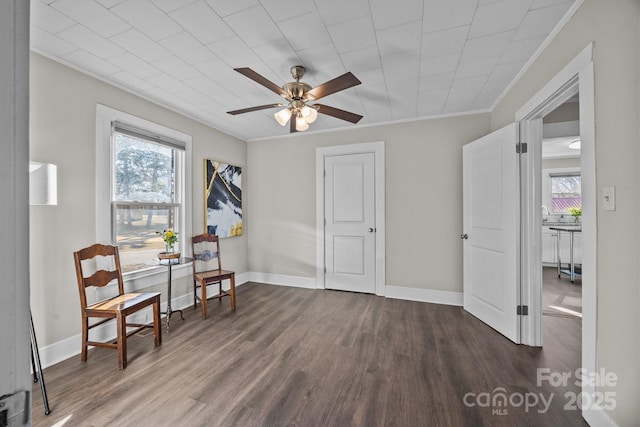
371 230
464 236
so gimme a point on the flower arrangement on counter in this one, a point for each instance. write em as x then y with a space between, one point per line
576 213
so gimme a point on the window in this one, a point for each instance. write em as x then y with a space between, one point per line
566 191
143 176
146 197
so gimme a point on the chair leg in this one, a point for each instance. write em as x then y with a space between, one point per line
157 330
122 341
85 338
232 292
203 298
195 296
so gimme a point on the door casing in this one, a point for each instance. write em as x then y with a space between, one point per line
377 148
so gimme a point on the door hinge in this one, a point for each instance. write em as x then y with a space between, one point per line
521 147
522 310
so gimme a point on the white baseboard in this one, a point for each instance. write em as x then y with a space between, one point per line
280 279
424 295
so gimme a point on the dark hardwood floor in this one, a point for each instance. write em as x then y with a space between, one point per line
298 357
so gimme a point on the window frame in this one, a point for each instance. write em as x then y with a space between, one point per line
105 116
546 185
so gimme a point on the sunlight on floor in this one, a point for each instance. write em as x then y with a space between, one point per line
566 310
62 421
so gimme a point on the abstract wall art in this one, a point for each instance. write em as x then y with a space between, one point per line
223 198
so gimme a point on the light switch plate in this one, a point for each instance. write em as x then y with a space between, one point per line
609 198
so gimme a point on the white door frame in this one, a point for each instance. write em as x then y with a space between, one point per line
377 148
575 77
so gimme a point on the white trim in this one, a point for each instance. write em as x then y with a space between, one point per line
283 280
377 148
595 416
425 295
577 76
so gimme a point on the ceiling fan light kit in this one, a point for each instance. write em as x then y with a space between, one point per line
298 93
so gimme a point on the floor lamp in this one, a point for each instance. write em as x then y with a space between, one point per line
42 191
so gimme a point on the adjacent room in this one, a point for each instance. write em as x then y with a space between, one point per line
362 213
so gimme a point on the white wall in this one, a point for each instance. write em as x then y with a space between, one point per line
615 30
63 132
423 198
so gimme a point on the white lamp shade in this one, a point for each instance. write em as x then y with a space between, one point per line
283 116
301 124
310 114
43 187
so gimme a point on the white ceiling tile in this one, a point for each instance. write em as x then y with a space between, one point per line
361 59
490 92
134 65
432 98
305 31
185 46
540 22
225 7
107 3
473 84
460 102
208 87
168 83
401 38
435 83
353 35
476 67
506 71
389 14
482 47
48 18
254 26
48 43
140 45
439 65
92 15
134 82
323 63
148 18
176 67
202 22
279 56
170 5
426 109
444 42
521 50
90 41
498 17
218 71
441 15
401 63
91 63
233 51
338 11
281 10
537 4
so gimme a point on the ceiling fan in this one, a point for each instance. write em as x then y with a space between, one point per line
298 94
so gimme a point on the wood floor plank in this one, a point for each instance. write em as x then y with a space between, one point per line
300 357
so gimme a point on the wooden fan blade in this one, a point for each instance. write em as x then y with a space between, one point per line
338 113
342 82
259 107
248 72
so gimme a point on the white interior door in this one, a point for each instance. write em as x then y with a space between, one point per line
490 236
350 222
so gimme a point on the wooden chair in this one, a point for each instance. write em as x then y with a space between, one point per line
104 271
207 270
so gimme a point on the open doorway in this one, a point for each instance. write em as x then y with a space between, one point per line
561 229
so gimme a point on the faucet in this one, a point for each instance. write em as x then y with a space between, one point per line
545 213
